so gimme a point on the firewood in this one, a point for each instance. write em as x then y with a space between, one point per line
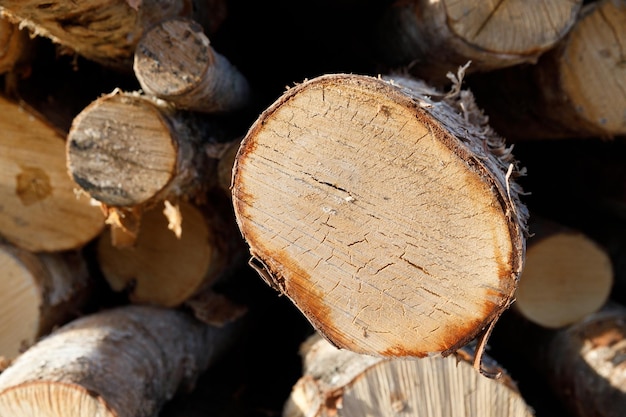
339 382
40 209
14 45
434 38
575 90
566 277
120 362
175 61
37 293
164 269
104 31
387 211
130 151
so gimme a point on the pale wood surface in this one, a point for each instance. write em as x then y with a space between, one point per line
433 38
40 209
175 61
343 383
566 276
386 217
123 362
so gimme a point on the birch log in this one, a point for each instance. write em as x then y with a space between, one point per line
567 275
37 293
435 37
344 383
104 31
389 218
175 61
39 207
123 362
577 90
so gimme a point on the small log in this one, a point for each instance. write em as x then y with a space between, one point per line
37 293
39 207
389 218
575 91
566 277
131 151
343 383
122 362
165 270
435 38
104 31
175 61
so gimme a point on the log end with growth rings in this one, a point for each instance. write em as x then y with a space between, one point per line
387 217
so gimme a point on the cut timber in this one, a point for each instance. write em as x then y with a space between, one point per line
162 269
39 208
123 362
436 37
14 45
566 277
390 219
104 31
37 293
127 150
576 90
588 365
175 61
343 383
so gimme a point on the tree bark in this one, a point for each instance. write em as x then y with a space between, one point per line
165 270
120 362
434 38
14 45
104 31
128 150
566 277
385 212
175 61
38 292
39 207
576 90
344 383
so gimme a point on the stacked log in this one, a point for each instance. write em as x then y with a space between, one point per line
359 156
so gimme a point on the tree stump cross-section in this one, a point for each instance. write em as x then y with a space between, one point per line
388 217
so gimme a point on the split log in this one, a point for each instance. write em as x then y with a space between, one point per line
105 31
566 277
39 207
342 383
120 362
575 90
37 293
388 216
436 37
165 269
175 61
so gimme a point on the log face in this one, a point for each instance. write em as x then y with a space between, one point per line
355 203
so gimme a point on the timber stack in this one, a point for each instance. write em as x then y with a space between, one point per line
385 208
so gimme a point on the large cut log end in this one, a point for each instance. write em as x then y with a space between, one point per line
385 216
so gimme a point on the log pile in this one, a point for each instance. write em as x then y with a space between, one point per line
381 207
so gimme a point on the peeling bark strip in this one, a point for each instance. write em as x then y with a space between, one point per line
37 293
389 217
126 150
105 31
124 362
577 89
175 61
343 383
435 37
39 209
